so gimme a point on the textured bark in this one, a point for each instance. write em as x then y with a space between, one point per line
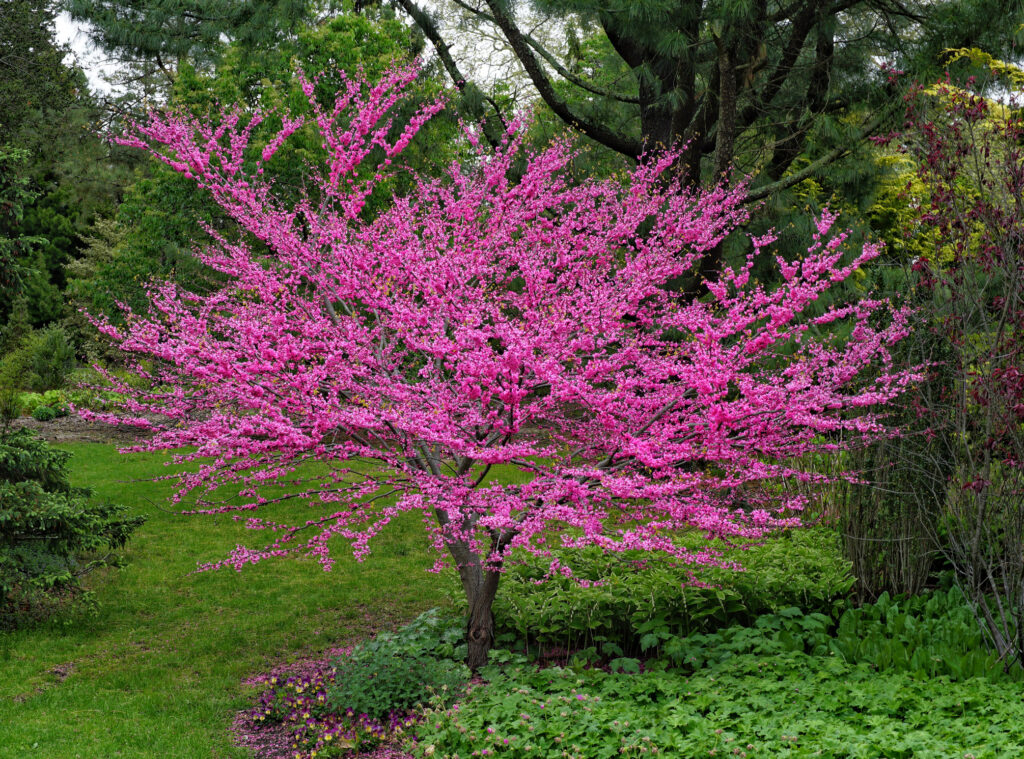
480 626
480 584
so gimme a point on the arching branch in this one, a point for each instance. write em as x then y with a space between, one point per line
472 100
596 131
552 61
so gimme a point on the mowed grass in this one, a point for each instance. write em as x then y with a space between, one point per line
158 672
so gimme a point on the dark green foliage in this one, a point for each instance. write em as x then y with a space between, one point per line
53 359
14 367
44 413
167 31
56 174
15 246
33 78
634 612
395 672
769 88
377 684
50 532
928 636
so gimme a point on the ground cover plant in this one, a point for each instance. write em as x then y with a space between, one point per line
786 704
905 678
503 315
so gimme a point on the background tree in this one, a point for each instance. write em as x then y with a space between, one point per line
966 458
170 33
779 91
747 84
53 533
34 82
161 215
66 174
480 322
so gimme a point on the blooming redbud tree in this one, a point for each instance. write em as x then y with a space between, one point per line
500 315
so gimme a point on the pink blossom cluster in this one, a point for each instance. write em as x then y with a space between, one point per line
500 315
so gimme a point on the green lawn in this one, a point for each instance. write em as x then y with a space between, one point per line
158 673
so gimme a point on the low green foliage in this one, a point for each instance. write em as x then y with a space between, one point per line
44 413
786 705
429 634
50 532
630 613
931 635
893 679
57 400
377 684
395 672
928 635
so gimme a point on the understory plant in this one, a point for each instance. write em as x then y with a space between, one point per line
896 678
966 465
631 604
502 314
789 704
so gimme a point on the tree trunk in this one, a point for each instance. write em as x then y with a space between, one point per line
481 586
480 627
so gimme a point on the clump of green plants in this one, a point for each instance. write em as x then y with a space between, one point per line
898 678
51 533
630 605
44 413
786 705
373 692
58 400
927 635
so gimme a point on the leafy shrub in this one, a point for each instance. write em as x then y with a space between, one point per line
50 533
44 413
53 358
377 684
56 400
395 672
13 369
630 612
771 634
31 401
786 705
912 681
